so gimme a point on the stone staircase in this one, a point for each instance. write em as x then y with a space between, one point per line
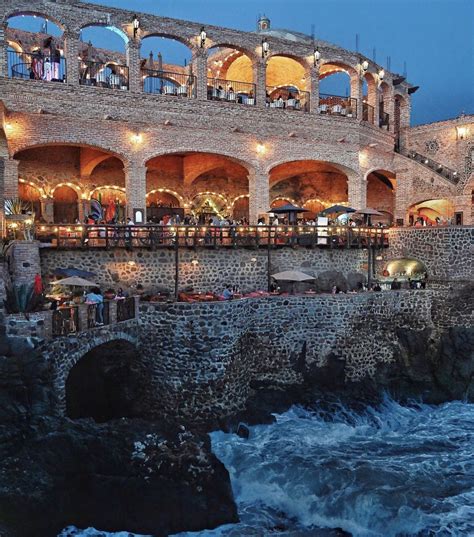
440 169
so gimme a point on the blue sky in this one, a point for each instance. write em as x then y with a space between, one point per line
434 37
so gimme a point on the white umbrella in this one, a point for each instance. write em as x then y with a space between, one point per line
292 276
75 281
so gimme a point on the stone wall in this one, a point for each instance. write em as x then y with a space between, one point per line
211 270
447 252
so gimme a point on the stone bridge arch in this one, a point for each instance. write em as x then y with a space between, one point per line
64 353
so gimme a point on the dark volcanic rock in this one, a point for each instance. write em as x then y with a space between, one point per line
132 474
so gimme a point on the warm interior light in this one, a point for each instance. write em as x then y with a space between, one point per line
8 127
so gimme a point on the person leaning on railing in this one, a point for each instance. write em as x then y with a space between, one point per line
94 296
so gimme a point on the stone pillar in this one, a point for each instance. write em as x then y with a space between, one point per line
357 191
47 210
356 93
72 49
389 106
200 61
10 178
3 50
259 195
314 98
112 312
135 187
133 62
373 98
260 79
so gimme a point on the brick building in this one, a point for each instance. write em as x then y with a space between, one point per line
240 129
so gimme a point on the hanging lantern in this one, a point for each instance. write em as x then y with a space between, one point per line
265 47
203 36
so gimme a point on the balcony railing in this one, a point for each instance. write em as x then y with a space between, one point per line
368 113
441 169
156 236
103 75
168 83
36 67
65 321
337 105
230 91
125 309
286 99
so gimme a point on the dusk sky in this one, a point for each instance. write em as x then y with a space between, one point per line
434 37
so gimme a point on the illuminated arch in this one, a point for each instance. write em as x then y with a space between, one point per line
32 13
167 191
107 26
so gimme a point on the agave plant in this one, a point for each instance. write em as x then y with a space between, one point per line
17 206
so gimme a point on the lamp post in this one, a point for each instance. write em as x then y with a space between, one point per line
203 36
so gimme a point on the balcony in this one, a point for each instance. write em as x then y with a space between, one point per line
103 75
287 98
336 105
36 67
231 91
168 83
368 113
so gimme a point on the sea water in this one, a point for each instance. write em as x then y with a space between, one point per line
384 471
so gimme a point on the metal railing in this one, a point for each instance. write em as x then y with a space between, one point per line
168 83
227 236
125 309
103 75
36 67
368 112
230 91
65 321
448 173
286 99
337 105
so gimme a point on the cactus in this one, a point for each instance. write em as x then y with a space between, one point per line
21 299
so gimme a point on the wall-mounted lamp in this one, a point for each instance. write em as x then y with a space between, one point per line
462 132
381 74
365 66
136 138
203 36
317 56
136 26
8 127
265 47
195 262
261 148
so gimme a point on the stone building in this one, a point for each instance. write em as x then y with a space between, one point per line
242 128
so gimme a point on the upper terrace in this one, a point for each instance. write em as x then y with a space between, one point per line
277 70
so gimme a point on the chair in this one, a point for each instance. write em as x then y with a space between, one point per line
336 109
182 91
323 108
291 103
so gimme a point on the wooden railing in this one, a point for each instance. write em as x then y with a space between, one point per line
156 236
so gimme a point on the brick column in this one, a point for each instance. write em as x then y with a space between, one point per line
313 73
72 45
135 187
357 191
3 50
24 262
259 195
389 106
356 93
260 80
10 178
373 99
200 61
133 62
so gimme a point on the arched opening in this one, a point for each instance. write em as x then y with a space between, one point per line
35 48
381 186
195 173
102 58
167 67
66 210
112 200
369 98
162 205
306 180
31 194
335 91
431 212
105 384
206 207
288 84
230 76
404 268
384 97
85 169
240 209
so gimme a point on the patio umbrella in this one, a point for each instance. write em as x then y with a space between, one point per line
292 276
71 271
368 212
337 209
75 281
290 209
